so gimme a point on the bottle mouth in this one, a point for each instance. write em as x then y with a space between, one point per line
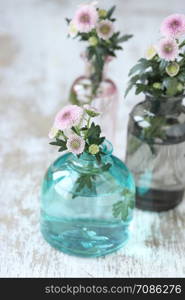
107 148
165 97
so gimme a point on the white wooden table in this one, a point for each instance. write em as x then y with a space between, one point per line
37 66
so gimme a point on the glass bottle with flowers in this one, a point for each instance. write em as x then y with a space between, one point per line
96 27
156 133
87 196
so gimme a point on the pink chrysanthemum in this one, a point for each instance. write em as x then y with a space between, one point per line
69 116
168 49
75 144
173 26
105 29
85 18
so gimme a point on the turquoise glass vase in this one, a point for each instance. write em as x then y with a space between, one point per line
86 206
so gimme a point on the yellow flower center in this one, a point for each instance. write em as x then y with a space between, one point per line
175 24
168 48
85 18
105 29
75 144
66 115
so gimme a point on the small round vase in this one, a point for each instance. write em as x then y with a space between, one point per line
156 152
86 206
106 99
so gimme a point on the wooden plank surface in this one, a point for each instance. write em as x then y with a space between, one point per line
37 66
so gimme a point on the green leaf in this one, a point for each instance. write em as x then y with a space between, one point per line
171 86
54 143
93 132
181 76
163 64
68 20
182 44
131 83
106 167
98 157
84 36
97 141
156 128
74 129
128 89
100 140
84 128
141 88
62 148
141 66
111 11
121 208
125 38
83 182
118 48
60 143
90 52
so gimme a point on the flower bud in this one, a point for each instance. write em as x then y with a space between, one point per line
93 41
172 69
180 87
94 149
72 30
157 85
91 111
102 13
150 52
53 133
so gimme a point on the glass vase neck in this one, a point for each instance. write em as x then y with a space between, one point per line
88 163
89 68
164 104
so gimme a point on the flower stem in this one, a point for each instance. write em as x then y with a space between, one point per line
64 136
78 130
88 122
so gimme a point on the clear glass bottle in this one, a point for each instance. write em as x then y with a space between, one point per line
90 219
156 152
106 99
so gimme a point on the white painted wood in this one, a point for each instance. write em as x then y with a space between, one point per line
37 66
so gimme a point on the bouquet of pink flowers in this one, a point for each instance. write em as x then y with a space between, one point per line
162 72
75 132
96 27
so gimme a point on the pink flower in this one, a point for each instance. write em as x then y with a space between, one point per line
168 49
85 18
173 26
75 144
105 29
69 116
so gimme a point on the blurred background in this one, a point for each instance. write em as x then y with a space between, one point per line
38 64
